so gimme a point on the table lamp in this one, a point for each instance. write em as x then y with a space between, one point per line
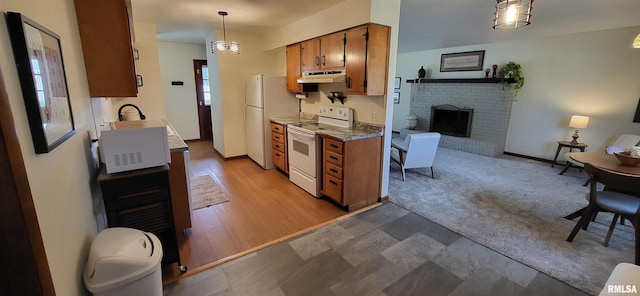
578 122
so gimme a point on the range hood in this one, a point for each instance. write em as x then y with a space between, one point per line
322 76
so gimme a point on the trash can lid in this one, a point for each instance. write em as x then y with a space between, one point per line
119 256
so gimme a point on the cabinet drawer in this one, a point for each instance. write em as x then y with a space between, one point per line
333 158
333 188
279 159
277 128
279 146
333 170
333 145
277 137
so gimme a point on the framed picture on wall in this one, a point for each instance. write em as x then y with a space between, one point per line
43 81
396 98
462 61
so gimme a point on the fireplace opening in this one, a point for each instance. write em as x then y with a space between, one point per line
451 120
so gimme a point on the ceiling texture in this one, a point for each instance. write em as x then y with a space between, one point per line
424 24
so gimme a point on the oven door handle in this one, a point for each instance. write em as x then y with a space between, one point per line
301 134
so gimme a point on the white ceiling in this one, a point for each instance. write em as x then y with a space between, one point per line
424 24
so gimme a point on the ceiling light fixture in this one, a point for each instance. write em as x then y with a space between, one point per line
511 14
224 46
636 42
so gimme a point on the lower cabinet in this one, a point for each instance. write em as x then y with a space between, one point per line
351 171
279 146
141 199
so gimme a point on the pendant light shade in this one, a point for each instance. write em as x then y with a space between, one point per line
224 46
511 14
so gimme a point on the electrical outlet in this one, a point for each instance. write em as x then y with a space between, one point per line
374 115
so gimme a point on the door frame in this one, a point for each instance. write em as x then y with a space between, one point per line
205 126
24 269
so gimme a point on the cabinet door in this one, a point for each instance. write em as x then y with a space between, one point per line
356 54
106 47
332 51
293 67
310 54
377 59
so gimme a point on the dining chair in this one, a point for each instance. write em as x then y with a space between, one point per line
617 202
416 151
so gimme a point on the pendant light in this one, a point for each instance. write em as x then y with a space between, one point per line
636 42
512 14
224 46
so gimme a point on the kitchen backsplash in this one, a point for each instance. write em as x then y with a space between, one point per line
366 108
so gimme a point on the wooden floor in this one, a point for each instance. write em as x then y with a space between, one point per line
263 207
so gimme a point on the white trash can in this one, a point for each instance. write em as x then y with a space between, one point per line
124 261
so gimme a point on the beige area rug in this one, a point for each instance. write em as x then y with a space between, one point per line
205 192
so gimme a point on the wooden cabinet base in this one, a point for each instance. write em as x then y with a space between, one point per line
179 192
351 171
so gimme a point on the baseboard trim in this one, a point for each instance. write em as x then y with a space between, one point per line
528 157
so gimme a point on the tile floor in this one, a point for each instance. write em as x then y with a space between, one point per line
384 251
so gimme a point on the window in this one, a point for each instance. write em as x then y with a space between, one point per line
206 90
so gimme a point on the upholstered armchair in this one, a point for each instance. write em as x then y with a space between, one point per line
415 151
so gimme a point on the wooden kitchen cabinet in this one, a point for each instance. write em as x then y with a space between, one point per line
279 146
367 56
105 28
326 52
293 68
351 171
181 203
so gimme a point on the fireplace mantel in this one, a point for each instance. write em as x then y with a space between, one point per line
461 80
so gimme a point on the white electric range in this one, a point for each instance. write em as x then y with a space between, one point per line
304 148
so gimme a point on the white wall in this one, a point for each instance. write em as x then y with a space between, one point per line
60 180
594 74
176 64
150 97
227 74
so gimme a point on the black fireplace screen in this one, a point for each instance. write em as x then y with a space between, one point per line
451 120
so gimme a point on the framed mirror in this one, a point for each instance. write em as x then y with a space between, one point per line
38 58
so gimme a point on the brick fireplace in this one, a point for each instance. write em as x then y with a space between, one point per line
491 111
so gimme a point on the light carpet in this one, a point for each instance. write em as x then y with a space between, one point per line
516 206
205 192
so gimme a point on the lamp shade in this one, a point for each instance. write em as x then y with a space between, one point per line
578 121
636 42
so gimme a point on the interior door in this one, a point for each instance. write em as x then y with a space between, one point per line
203 96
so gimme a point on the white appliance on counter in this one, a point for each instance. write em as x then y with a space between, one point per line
303 147
265 97
132 146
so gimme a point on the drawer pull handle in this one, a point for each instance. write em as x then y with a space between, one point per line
333 157
277 146
333 182
333 146
277 137
333 170
278 154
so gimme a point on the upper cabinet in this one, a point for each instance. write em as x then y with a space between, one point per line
293 67
362 51
106 37
326 52
367 56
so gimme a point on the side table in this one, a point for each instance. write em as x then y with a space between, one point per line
562 144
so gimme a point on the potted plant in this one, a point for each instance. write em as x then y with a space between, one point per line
512 70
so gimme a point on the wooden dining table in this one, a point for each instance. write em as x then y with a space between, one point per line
603 161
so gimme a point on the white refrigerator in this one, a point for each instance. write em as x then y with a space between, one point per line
265 97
